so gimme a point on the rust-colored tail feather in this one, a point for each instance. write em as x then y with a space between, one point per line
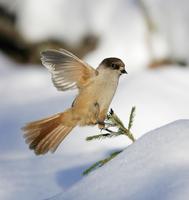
46 134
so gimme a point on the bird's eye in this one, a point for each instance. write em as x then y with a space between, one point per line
114 66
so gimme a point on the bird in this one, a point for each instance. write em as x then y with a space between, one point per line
96 88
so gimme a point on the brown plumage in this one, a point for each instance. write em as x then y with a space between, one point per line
46 134
96 90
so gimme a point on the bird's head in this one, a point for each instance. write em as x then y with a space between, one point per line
114 64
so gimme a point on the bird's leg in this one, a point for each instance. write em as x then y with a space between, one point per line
101 125
101 119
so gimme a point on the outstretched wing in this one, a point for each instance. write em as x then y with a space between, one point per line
67 70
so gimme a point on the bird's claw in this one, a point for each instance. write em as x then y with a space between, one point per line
101 125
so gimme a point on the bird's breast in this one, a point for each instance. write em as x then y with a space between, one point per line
100 91
104 90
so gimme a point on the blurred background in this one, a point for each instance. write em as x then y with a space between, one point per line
150 36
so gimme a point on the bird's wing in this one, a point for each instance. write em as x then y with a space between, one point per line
67 70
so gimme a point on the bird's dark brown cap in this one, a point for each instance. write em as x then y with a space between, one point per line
109 61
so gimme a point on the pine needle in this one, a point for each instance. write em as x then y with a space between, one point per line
103 136
131 118
101 162
99 136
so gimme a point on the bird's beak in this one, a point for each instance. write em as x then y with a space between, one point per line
123 71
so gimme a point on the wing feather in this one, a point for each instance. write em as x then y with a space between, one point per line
67 70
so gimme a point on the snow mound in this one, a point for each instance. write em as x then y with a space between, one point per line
154 167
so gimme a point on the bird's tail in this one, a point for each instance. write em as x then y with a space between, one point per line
46 134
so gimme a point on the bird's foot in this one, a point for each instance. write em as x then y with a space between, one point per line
101 125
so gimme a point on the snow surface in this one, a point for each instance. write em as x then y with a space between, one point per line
154 167
27 94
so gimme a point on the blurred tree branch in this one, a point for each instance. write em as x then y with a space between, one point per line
15 46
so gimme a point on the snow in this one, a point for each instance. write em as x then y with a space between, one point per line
154 167
27 94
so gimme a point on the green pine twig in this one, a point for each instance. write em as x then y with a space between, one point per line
100 163
121 126
112 120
